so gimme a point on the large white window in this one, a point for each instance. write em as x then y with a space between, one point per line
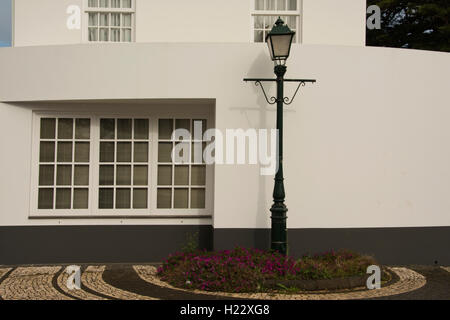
103 165
110 20
266 12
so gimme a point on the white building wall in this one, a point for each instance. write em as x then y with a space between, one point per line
194 21
366 146
334 22
44 22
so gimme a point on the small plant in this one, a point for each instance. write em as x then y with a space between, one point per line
246 270
191 244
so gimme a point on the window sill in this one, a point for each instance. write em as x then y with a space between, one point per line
153 216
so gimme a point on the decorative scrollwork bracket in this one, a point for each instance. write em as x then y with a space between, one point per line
285 100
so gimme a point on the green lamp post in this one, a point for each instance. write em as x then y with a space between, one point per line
279 41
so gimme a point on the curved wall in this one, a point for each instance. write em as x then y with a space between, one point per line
366 146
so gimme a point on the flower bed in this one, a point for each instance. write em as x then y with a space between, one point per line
247 270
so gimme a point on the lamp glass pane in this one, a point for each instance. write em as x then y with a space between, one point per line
279 45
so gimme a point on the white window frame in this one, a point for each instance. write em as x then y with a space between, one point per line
93 211
297 13
85 21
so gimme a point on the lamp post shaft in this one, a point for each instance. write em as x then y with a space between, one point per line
279 209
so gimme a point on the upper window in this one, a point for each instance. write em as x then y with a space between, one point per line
266 12
110 20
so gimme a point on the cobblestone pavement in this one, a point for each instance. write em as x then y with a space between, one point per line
139 282
31 283
93 279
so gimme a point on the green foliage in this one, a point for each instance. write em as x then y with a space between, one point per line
191 244
414 24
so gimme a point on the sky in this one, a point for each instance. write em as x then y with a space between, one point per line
5 23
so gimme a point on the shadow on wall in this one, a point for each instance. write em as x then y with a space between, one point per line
260 115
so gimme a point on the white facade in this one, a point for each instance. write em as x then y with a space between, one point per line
365 147
213 21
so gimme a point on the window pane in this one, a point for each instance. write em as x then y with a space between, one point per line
104 3
64 175
197 198
104 19
93 3
164 175
259 4
48 128
123 198
106 151
270 4
199 129
47 152
124 152
165 152
198 148
81 176
164 198
126 3
259 36
165 129
45 199
106 175
115 3
107 128
123 128
198 175
64 151
140 175
140 152
292 22
281 4
93 34
126 35
181 198
183 124
63 199
181 153
115 19
123 175
181 175
104 34
259 22
105 198
140 199
292 4
126 20
93 19
115 35
46 175
82 151
141 128
80 198
82 128
65 128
